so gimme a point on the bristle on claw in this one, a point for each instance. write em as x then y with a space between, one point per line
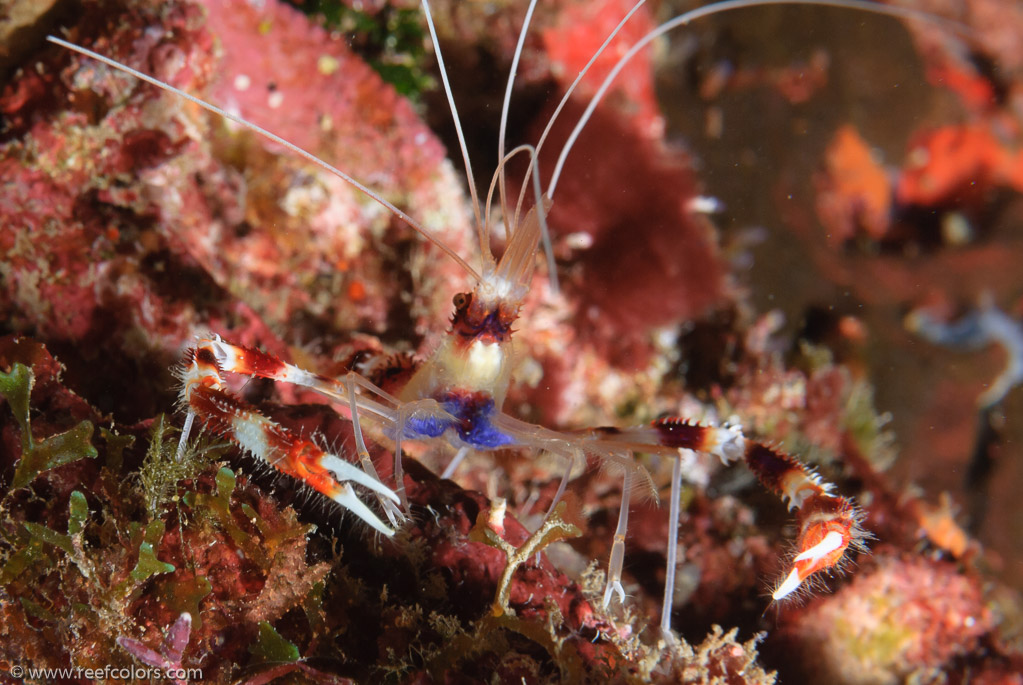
830 525
231 417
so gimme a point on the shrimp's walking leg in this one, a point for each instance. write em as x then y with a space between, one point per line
614 565
564 483
185 431
669 573
426 418
204 395
392 511
455 463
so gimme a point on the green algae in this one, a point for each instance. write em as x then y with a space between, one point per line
42 455
162 468
390 39
271 647
148 565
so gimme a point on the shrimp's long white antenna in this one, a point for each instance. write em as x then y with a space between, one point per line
487 258
541 214
531 169
728 5
545 234
504 113
272 137
567 95
505 158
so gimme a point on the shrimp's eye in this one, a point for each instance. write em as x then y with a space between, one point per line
461 300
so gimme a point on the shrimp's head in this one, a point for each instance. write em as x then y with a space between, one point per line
482 317
477 353
476 356
486 314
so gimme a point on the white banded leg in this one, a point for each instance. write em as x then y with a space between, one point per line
393 512
617 561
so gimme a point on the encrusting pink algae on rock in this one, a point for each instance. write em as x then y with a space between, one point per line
133 222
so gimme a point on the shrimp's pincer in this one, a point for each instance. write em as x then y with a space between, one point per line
204 395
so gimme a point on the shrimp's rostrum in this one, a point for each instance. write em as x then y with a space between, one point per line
457 393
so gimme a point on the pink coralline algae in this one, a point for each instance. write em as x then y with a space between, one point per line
579 31
311 229
906 619
148 226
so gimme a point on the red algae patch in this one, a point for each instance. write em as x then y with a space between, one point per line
649 260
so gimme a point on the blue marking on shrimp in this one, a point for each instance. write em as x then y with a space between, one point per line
430 427
472 422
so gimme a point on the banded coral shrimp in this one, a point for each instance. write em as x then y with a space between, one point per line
611 586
